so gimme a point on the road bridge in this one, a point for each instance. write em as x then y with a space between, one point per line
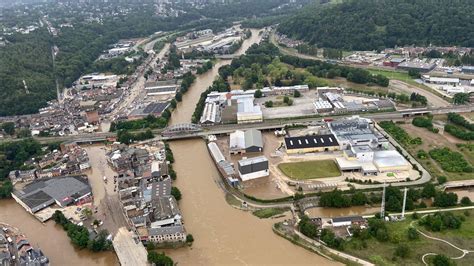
184 131
458 184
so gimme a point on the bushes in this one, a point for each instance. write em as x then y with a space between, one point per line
443 199
450 161
148 122
460 120
125 137
307 228
176 193
399 134
79 235
328 237
459 133
441 221
425 122
159 259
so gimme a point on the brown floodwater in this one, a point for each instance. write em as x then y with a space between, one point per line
463 192
50 238
224 235
337 212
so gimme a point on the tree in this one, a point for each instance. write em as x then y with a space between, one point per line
178 96
307 228
413 233
442 179
258 94
24 133
442 260
176 193
402 251
461 98
189 238
8 128
6 189
159 259
429 191
296 94
466 201
269 104
173 103
414 73
286 99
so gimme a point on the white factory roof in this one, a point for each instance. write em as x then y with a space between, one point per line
322 105
444 80
390 158
210 113
215 152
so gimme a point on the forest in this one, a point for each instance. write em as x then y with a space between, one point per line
377 24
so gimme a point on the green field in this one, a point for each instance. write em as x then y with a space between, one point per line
269 212
382 253
310 169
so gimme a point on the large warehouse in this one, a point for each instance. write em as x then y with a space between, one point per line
246 141
63 191
308 144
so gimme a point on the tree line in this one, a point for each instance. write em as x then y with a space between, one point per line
377 24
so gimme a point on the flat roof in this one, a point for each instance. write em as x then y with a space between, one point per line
42 193
253 160
347 219
311 141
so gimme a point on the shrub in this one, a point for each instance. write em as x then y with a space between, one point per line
466 201
413 233
450 161
402 251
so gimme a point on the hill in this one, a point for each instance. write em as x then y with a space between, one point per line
373 24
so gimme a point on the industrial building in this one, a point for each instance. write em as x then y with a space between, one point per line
62 191
211 114
247 111
308 144
348 221
246 141
440 80
155 88
365 149
417 65
253 168
154 109
468 69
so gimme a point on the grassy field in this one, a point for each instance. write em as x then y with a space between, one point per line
269 212
403 76
382 253
310 169
432 141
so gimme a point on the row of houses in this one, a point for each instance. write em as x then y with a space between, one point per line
144 187
70 160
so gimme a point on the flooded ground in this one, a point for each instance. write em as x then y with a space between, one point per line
337 212
224 235
51 239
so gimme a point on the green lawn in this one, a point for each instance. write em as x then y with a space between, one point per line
269 212
382 253
310 169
